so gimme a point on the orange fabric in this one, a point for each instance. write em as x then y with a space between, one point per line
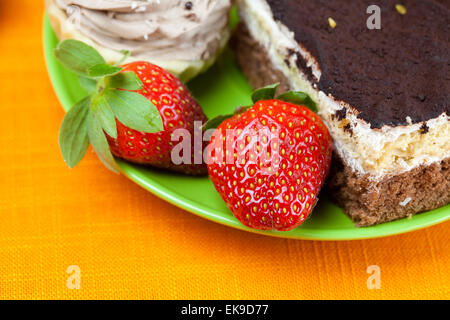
130 244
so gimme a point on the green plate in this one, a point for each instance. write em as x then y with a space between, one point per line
219 91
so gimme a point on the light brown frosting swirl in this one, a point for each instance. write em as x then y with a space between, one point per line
156 29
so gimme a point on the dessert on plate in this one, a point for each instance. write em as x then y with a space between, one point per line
183 37
384 93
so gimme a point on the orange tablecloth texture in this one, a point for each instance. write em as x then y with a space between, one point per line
129 244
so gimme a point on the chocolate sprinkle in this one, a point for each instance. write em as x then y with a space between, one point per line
188 5
424 129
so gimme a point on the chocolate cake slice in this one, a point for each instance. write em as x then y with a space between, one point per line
383 93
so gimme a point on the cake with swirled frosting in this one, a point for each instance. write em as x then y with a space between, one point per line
181 36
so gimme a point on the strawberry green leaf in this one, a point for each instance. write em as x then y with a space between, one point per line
77 56
300 98
134 110
265 93
87 84
215 122
73 136
98 141
125 80
104 115
102 70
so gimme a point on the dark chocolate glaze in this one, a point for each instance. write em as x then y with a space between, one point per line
402 70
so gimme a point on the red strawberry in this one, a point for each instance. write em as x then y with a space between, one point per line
280 157
178 110
132 111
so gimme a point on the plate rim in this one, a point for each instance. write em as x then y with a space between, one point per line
129 170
